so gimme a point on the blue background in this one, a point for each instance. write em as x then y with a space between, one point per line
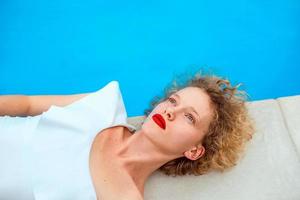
67 47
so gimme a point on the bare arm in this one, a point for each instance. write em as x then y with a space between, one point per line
41 103
24 105
14 105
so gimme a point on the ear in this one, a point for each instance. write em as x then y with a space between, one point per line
195 153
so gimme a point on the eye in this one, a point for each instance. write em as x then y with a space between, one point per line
191 118
172 100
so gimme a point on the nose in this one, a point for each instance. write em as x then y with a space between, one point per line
170 113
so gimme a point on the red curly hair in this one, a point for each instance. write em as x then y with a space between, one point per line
228 132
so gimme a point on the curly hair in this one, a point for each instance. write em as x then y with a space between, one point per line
230 128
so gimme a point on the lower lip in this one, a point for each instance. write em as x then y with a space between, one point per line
157 121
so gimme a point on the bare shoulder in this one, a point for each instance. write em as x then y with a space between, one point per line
112 182
110 179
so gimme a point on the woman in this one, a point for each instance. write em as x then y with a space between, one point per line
195 127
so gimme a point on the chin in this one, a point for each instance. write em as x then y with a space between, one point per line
149 128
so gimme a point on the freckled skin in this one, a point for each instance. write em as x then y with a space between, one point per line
121 162
179 132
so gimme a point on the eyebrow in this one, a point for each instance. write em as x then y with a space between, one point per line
190 106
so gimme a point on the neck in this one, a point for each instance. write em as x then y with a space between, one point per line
140 157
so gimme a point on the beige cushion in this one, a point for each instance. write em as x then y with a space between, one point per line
269 169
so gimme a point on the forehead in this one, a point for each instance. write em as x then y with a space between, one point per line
197 98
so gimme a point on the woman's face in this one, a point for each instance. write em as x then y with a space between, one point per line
187 114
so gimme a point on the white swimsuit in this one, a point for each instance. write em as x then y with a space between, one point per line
47 156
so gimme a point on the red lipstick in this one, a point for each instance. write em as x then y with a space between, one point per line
159 120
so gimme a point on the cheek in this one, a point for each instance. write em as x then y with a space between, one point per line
180 134
183 136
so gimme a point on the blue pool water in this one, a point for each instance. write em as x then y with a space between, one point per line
66 47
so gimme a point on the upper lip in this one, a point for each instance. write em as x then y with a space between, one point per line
160 118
